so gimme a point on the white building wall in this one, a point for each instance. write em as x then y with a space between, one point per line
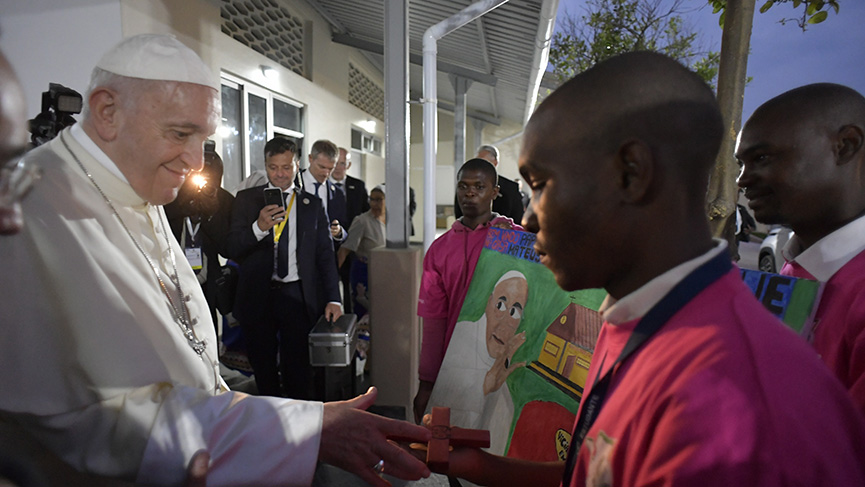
60 41
55 41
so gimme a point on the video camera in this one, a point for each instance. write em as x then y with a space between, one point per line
59 103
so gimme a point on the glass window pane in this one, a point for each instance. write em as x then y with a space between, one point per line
257 131
287 116
232 141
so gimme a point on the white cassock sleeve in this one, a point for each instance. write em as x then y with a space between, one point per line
252 440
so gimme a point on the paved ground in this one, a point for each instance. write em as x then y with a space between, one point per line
748 254
328 476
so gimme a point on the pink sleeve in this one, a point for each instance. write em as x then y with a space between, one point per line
433 298
856 370
432 348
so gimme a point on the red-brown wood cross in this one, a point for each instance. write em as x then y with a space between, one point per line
444 436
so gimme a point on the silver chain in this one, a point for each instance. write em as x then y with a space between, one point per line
181 312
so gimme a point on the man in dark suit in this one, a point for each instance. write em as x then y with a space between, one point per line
287 276
314 179
353 191
200 217
510 201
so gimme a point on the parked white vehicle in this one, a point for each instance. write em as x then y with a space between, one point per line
770 258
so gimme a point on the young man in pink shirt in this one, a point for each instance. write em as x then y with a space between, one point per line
803 165
692 382
448 268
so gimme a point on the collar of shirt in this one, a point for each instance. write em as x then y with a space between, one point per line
309 182
337 181
87 143
829 254
459 226
639 302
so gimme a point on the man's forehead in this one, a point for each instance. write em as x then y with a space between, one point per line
283 158
779 121
473 175
323 159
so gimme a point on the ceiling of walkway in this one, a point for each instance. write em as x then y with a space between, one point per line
497 52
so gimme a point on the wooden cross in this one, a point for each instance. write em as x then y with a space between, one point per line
444 436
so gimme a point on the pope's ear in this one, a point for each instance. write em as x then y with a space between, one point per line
105 113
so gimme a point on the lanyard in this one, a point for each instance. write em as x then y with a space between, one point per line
191 233
277 230
655 318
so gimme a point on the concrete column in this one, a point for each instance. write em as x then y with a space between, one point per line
394 282
396 122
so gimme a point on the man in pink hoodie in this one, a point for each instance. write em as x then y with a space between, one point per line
448 268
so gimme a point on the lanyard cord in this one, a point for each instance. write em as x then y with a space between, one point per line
277 230
689 287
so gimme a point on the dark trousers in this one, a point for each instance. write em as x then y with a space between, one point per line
344 277
283 333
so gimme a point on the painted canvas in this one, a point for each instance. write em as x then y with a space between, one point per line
517 362
793 300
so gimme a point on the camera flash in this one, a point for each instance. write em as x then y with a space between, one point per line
199 180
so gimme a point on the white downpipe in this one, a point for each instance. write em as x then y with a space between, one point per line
430 101
542 53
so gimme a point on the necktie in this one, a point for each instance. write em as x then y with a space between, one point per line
317 185
282 248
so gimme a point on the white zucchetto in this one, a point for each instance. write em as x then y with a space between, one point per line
157 57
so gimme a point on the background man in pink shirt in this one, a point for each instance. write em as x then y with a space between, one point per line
803 165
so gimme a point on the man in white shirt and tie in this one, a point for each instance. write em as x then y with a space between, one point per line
322 159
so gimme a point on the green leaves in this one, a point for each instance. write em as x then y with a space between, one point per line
815 11
612 27
818 17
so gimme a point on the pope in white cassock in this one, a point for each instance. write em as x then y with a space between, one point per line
109 355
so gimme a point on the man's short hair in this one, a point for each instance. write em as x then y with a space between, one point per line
482 165
491 149
280 145
325 147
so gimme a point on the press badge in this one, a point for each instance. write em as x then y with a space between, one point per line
193 255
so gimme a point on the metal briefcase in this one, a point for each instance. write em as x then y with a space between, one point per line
333 344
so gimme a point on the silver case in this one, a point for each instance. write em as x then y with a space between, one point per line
333 345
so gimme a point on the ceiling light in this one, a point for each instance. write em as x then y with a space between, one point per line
269 72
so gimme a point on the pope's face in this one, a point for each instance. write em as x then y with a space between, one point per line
504 312
161 139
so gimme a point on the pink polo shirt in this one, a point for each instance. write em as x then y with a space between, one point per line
722 395
838 260
448 268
